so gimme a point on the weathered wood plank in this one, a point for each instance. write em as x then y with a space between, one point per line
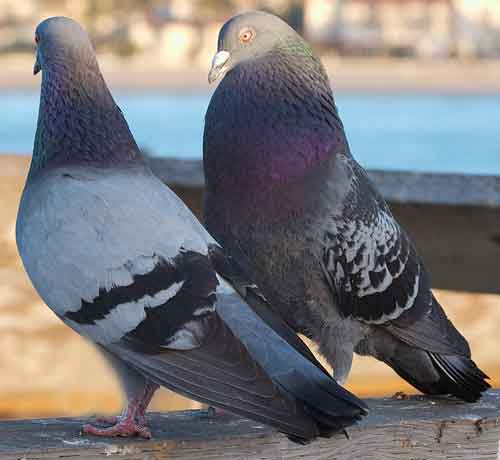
418 429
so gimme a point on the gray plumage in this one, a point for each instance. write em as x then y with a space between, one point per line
120 259
286 198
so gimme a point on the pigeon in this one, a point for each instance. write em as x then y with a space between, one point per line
120 259
287 200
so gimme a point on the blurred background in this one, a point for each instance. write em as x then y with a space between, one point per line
417 83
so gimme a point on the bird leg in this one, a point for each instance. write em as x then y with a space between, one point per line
133 421
140 416
149 391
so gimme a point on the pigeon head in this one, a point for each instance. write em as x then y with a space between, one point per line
62 41
249 36
78 120
272 117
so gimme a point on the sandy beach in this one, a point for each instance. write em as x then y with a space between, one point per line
47 369
347 74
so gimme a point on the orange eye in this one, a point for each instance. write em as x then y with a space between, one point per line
246 35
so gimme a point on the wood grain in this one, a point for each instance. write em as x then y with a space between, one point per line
417 428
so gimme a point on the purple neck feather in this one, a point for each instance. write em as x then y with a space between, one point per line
270 122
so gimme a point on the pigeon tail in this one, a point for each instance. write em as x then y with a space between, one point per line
456 375
431 372
297 376
459 376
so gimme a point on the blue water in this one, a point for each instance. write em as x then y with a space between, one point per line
401 131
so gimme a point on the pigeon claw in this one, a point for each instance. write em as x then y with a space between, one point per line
124 429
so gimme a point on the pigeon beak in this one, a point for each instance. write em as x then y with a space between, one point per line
219 66
37 67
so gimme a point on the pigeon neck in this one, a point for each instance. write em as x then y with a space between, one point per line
79 122
270 122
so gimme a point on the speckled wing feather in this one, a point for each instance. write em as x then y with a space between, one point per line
369 261
376 275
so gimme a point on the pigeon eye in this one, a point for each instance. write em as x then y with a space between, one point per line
36 39
246 35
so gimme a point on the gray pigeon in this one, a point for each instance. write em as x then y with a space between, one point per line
288 201
121 260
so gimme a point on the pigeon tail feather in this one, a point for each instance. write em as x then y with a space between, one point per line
439 374
459 376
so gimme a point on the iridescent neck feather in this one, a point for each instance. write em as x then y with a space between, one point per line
78 120
270 121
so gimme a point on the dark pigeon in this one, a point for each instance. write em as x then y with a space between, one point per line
286 198
120 259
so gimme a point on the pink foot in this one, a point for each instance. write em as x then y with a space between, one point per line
133 421
124 428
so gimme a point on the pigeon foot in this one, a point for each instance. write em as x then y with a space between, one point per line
124 428
132 423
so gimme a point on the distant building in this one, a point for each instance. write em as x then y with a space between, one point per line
181 30
480 11
17 24
142 35
320 20
375 26
437 28
478 24
19 10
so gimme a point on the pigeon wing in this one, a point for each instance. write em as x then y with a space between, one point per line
376 275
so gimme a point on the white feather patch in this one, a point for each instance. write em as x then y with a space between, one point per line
202 310
124 317
189 337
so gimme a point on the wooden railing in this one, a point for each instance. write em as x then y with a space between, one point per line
417 428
